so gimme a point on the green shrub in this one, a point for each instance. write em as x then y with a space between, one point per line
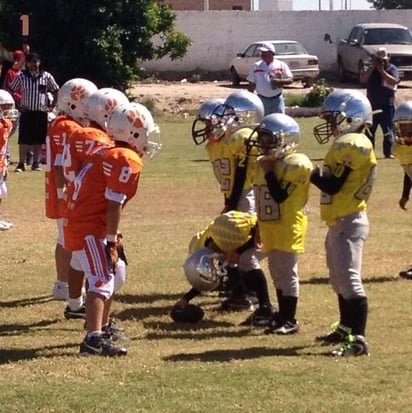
317 94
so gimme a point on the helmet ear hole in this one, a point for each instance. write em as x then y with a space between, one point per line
349 120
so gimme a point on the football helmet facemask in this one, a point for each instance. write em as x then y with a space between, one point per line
205 269
205 122
133 123
72 97
100 104
240 109
344 111
402 120
276 133
7 106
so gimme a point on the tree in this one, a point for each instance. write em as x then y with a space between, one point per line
105 41
391 4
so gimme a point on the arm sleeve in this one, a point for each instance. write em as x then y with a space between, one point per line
240 177
278 194
331 185
407 184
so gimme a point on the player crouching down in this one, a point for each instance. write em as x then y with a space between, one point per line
102 188
229 241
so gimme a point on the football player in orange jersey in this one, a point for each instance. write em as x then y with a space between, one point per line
70 104
8 114
79 146
102 188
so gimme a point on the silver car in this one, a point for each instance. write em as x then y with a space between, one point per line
305 67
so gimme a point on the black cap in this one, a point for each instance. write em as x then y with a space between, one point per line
31 57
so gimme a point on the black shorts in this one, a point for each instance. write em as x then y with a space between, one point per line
32 128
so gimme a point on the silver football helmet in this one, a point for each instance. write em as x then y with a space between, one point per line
276 133
206 120
344 111
7 106
133 124
402 120
72 97
205 269
241 109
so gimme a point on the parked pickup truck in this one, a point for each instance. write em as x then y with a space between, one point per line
354 53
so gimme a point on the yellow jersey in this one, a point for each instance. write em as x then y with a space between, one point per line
355 151
403 153
283 225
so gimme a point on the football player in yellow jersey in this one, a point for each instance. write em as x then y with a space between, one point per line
281 185
346 182
226 126
229 240
402 150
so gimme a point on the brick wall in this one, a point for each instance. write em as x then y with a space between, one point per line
213 4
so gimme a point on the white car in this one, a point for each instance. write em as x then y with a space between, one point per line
305 67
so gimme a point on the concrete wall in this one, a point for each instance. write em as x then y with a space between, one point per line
213 4
218 35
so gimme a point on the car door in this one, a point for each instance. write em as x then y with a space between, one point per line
250 56
355 41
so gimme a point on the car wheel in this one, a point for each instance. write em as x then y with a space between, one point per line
341 72
308 82
235 77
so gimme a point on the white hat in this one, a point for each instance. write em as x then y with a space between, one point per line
382 53
267 47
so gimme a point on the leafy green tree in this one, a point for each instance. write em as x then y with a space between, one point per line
391 4
105 41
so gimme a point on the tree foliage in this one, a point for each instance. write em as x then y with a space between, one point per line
391 4
105 41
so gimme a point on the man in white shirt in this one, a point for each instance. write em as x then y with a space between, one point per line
267 77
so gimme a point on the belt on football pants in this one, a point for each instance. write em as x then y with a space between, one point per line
270 97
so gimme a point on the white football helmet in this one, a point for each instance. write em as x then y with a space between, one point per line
402 120
72 97
206 119
277 133
344 111
100 104
205 269
133 123
7 106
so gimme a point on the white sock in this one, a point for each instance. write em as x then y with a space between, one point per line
75 303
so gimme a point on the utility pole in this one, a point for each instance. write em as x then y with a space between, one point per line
206 5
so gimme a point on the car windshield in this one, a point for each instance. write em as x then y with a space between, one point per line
388 36
289 48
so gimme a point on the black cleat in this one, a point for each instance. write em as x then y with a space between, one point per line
75 314
97 345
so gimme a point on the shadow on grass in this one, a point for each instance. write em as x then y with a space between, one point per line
17 354
12 329
26 301
372 280
142 298
236 354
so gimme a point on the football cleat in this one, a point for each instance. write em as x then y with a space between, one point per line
407 274
353 346
260 318
111 331
99 346
75 314
338 335
239 303
283 328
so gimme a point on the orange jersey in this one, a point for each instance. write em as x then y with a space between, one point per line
111 174
58 131
79 146
5 129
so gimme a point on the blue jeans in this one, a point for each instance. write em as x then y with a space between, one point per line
384 120
273 105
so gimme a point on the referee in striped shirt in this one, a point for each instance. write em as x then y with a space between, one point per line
34 85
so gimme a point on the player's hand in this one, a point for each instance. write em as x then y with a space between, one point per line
182 303
402 203
112 255
267 162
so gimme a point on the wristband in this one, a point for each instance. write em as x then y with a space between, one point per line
111 237
60 193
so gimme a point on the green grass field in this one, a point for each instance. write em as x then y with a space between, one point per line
216 365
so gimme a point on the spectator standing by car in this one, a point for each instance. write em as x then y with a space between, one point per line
381 80
267 77
34 85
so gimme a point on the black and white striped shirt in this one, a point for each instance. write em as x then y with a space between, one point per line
34 89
